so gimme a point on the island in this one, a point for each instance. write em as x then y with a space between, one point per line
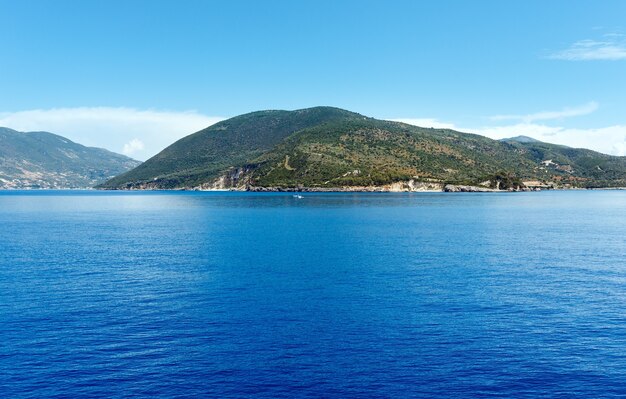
331 149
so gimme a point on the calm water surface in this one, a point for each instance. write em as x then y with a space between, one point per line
334 295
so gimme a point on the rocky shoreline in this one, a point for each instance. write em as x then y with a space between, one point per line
235 180
394 188
410 186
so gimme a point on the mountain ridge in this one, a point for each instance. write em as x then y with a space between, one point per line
47 160
325 148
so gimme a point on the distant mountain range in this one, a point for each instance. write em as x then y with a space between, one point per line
46 160
325 148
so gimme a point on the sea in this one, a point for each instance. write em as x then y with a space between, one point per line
332 295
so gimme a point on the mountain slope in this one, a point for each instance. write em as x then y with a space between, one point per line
327 148
577 166
202 156
46 160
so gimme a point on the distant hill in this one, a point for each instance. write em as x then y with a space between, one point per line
46 160
522 139
325 148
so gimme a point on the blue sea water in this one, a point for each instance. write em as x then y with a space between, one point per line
236 295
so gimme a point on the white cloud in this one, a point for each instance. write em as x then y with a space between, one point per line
585 109
608 140
132 147
611 48
111 128
537 131
425 122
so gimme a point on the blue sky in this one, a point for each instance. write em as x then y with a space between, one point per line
134 76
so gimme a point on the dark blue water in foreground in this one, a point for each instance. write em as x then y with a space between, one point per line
334 295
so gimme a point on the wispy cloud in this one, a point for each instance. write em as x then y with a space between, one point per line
425 122
112 128
567 112
611 47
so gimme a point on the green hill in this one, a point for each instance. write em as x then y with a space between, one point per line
202 156
46 160
327 148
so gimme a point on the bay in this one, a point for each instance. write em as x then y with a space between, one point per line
195 294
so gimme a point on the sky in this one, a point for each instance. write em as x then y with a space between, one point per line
134 76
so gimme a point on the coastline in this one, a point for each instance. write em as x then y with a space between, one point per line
370 189
410 186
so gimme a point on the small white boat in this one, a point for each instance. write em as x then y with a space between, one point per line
298 196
